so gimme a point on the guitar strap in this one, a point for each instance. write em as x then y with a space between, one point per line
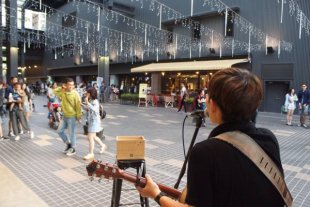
257 155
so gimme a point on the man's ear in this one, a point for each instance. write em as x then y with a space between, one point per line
213 105
216 112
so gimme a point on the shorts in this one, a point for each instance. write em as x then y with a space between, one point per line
94 126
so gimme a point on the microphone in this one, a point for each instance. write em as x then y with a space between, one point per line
198 114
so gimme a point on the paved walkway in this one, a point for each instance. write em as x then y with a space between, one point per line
51 178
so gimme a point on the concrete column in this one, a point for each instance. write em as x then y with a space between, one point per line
104 68
12 46
156 83
103 71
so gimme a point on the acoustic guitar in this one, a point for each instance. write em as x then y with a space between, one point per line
106 170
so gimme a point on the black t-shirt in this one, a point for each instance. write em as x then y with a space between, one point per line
220 175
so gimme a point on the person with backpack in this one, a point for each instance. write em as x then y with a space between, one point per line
92 107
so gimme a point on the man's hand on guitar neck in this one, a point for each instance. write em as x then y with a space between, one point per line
151 190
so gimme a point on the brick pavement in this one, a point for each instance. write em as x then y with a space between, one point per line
62 181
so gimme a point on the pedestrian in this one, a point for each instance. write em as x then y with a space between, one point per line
303 102
16 112
200 101
9 90
290 105
183 96
93 122
71 106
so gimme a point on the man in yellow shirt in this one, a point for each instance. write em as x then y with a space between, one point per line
71 106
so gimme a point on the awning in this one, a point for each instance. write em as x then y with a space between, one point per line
188 66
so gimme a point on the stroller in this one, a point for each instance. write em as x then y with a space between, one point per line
55 116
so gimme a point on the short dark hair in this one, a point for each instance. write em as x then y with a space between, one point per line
67 80
93 93
237 92
17 84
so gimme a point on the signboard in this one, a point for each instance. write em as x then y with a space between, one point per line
35 20
142 90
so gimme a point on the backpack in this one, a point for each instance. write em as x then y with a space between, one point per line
102 112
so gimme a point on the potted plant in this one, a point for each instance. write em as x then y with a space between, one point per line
129 98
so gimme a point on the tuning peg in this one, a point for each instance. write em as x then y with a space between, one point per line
114 168
106 168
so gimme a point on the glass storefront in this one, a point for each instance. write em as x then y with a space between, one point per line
129 83
171 82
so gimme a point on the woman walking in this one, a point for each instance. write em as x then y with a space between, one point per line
93 119
183 94
290 104
27 102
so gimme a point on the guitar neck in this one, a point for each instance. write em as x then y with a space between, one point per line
171 192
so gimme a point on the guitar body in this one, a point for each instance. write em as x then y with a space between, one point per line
183 195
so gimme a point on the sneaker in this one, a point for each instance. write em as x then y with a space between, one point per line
67 148
31 134
17 138
89 156
103 148
71 151
4 138
11 134
21 132
304 125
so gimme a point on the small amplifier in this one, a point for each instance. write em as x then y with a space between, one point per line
130 147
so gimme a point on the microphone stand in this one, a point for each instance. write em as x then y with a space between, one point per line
199 120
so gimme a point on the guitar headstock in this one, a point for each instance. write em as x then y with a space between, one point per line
103 170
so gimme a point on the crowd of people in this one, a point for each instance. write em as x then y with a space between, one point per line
66 105
16 102
212 176
301 101
65 109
